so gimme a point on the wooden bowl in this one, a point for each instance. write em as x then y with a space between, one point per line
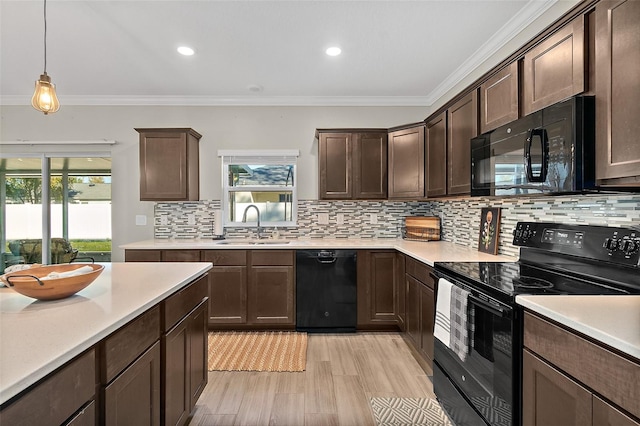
34 282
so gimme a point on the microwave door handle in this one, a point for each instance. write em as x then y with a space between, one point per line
542 133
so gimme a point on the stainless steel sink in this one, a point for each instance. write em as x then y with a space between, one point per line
252 242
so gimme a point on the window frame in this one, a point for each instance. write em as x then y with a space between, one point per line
267 157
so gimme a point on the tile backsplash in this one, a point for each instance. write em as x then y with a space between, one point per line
460 217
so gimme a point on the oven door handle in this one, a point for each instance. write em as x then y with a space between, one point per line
486 306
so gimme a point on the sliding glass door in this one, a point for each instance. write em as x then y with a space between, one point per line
73 222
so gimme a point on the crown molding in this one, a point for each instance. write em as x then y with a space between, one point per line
399 101
529 13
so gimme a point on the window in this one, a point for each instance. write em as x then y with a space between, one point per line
264 179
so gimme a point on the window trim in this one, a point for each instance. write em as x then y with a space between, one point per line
272 156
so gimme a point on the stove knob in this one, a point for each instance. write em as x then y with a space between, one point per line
611 244
629 246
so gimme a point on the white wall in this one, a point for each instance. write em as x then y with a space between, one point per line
221 128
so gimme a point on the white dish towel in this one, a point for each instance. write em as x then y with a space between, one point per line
442 329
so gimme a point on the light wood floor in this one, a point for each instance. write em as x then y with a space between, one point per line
343 372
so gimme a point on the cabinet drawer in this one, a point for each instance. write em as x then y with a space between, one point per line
225 257
419 271
604 371
85 417
181 255
59 396
142 256
126 344
183 302
272 257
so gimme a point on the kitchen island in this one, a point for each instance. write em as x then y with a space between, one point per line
39 337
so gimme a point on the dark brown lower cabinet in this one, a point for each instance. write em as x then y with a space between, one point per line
133 397
551 398
70 389
228 291
565 374
142 255
271 288
420 306
401 291
377 290
184 373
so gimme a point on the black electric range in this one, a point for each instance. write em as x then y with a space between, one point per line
485 387
560 259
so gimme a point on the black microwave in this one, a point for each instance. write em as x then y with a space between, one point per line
551 151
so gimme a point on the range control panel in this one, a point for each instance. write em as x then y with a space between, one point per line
619 245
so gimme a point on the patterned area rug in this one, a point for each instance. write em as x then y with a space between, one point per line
257 351
408 411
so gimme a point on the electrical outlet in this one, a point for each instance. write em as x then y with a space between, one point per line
373 218
323 218
340 219
141 220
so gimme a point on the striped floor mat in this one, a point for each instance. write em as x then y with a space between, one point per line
408 411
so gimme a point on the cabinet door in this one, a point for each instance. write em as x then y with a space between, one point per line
133 398
605 414
555 69
436 156
427 321
617 91
271 295
227 295
197 333
175 380
401 290
376 288
463 125
142 255
169 165
335 166
551 398
181 255
406 163
369 166
499 99
413 310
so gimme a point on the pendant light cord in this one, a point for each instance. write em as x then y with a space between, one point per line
45 36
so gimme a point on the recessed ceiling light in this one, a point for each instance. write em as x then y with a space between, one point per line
333 51
186 51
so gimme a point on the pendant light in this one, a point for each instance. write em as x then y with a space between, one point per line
44 98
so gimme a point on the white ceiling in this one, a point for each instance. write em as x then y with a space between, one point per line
122 52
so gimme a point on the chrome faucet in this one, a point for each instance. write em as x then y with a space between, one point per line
244 218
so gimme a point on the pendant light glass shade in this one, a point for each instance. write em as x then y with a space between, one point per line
44 98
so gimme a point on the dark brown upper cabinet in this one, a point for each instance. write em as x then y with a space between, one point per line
169 164
617 46
352 165
555 69
406 162
436 156
499 99
462 121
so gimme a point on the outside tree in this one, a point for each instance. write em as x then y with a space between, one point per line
28 190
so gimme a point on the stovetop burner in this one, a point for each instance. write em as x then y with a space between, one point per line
531 283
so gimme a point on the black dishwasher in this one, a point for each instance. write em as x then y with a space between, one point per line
326 291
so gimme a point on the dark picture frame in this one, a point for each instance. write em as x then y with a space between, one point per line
489 230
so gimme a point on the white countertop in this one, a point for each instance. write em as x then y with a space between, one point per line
424 251
36 337
613 320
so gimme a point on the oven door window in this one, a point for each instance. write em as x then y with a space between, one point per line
486 376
